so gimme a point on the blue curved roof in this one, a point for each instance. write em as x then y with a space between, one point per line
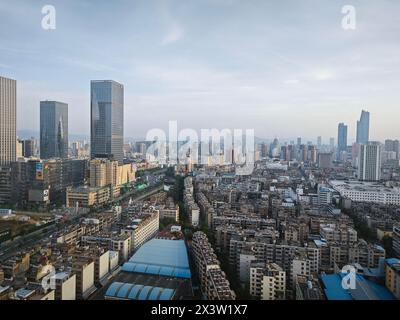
166 294
155 293
364 289
160 257
144 293
134 292
131 291
123 291
113 288
129 267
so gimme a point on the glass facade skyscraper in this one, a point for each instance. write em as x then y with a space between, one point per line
107 119
53 129
342 137
363 128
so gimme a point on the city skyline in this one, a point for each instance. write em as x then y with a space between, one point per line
199 151
283 74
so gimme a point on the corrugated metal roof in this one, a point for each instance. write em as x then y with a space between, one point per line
144 293
364 289
166 294
113 288
160 257
123 291
132 291
155 293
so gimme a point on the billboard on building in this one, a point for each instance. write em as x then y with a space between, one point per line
39 171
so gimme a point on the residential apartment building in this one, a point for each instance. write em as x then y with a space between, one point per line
267 281
144 227
213 282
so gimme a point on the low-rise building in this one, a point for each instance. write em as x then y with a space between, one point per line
169 210
338 233
308 288
87 196
144 227
361 191
392 276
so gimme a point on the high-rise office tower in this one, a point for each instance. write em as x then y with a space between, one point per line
342 137
285 153
312 154
325 160
264 150
103 172
369 161
107 120
53 129
274 148
303 153
363 128
29 147
392 145
8 120
332 144
298 141
319 141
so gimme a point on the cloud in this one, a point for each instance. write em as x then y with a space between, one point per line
89 65
175 33
242 64
322 75
292 81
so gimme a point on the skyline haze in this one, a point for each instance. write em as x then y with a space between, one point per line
274 69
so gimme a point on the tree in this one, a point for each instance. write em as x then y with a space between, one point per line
165 222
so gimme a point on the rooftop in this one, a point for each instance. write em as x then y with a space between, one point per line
364 289
394 263
132 291
362 186
182 287
160 257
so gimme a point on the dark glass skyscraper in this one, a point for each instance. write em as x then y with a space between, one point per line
107 119
342 137
363 128
53 129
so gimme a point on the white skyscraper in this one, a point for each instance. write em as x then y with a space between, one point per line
8 120
369 162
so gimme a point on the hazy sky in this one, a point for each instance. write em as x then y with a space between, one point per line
285 68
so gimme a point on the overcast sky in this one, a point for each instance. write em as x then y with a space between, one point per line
285 68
